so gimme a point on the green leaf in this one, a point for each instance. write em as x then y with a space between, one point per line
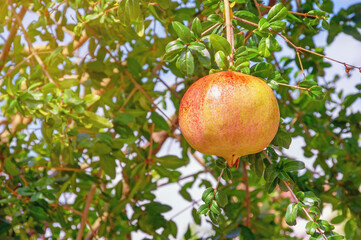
220 163
183 192
196 217
215 18
327 6
293 166
316 92
338 219
139 26
206 193
325 225
307 83
272 44
270 186
182 31
221 60
246 15
204 58
156 208
263 48
197 27
90 99
352 31
196 46
213 216
278 26
203 209
11 168
241 52
107 162
215 208
220 44
37 213
221 198
259 166
291 214
10 89
246 233
5 226
325 25
263 24
172 161
310 199
133 8
159 121
311 228
123 119
282 139
314 212
274 85
262 70
270 173
175 45
277 12
185 63
98 121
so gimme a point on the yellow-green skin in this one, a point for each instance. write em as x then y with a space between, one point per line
229 114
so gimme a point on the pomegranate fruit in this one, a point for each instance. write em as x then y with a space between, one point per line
229 114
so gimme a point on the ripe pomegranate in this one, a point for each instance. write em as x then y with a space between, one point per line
229 114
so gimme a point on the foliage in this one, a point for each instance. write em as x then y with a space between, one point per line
83 118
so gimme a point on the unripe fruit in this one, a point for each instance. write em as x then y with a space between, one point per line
229 114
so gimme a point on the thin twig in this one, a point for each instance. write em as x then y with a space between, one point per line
299 60
296 199
257 6
8 73
291 86
86 211
199 160
299 49
182 178
184 209
219 180
210 29
28 40
140 88
7 45
58 168
248 198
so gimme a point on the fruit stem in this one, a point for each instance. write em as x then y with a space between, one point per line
229 29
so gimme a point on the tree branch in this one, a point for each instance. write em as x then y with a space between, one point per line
6 48
28 40
298 49
84 218
296 199
229 29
